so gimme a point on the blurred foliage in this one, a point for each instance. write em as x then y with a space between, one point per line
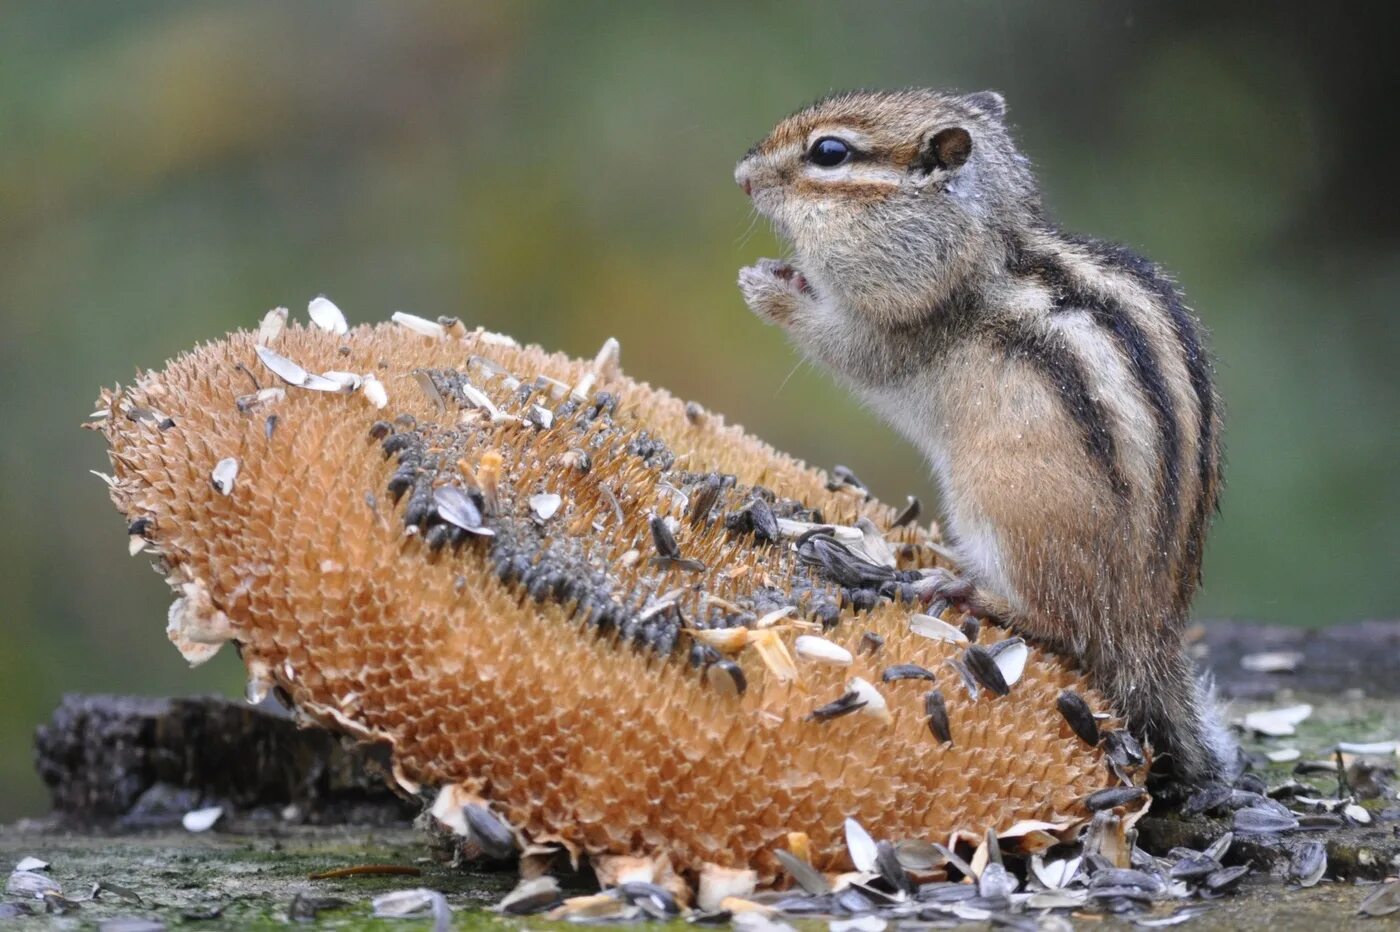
169 171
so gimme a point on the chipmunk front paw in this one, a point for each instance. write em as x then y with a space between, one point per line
774 290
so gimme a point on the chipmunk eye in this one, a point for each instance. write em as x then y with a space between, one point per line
828 152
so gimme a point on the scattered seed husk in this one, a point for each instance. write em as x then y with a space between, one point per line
531 896
32 864
326 315
30 883
281 366
1308 864
909 515
224 474
306 907
1283 755
861 847
1254 820
1226 878
1010 655
271 326
1382 902
420 325
545 504
803 874
201 820
1278 723
1273 661
889 867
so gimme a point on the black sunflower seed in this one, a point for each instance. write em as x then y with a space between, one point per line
1079 716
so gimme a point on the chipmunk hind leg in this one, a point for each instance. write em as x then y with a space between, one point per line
1166 703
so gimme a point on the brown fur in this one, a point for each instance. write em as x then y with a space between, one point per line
1057 385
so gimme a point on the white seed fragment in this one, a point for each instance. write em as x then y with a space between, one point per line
1358 814
858 924
545 505
1055 875
820 650
789 528
31 884
775 616
1284 755
202 820
281 366
401 904
1277 723
1272 661
873 543
428 328
135 544
1371 747
111 483
374 392
496 339
861 847
326 315
225 471
936 629
1011 660
272 323
32 864
348 381
875 704
542 416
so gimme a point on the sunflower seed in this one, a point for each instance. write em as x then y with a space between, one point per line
937 713
31 884
996 882
1122 748
457 508
374 392
421 325
820 650
495 837
664 540
1194 867
1218 848
1274 661
984 667
1113 797
906 671
909 515
1079 716
843 478
32 864
847 703
326 315
282 367
870 643
936 629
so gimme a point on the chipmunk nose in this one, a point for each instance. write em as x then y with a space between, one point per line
743 176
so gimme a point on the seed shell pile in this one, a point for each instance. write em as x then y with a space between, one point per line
583 615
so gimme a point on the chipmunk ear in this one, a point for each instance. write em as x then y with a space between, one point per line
989 102
947 149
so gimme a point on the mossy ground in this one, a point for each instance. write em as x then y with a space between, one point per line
254 870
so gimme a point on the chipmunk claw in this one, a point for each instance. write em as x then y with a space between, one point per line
962 593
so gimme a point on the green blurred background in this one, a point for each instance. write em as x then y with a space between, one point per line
169 171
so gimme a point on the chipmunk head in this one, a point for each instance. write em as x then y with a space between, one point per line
890 199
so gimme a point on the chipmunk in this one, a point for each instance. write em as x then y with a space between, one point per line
1058 386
